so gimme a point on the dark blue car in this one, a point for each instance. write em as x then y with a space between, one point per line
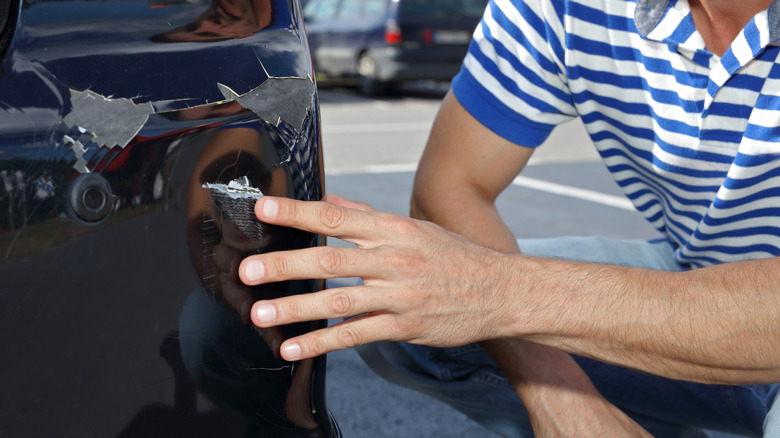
385 42
135 137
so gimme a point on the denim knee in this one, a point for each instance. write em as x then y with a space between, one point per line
772 420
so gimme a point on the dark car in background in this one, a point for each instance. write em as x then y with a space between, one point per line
385 42
135 137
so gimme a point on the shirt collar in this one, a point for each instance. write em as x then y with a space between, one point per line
774 22
649 13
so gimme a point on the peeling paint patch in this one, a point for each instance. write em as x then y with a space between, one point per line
112 122
78 150
277 99
237 201
239 188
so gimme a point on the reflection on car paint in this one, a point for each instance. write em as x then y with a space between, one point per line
122 314
223 19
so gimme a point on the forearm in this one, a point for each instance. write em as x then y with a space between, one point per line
462 171
558 396
715 325
546 379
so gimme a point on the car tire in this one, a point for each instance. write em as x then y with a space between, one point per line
370 84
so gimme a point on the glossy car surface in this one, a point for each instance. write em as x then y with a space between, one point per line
384 42
135 136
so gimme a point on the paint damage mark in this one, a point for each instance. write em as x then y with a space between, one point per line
277 99
282 368
78 150
96 121
112 122
236 200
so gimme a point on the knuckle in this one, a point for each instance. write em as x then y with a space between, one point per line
400 225
292 212
332 217
406 328
348 337
291 310
341 304
318 344
364 205
281 267
332 261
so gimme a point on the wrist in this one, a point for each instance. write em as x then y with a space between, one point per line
527 296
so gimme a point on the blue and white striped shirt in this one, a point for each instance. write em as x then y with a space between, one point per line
692 138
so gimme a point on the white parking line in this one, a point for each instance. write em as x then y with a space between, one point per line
520 181
391 168
574 192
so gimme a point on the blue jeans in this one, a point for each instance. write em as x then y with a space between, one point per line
467 378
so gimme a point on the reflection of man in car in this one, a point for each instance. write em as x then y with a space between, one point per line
227 357
223 20
231 153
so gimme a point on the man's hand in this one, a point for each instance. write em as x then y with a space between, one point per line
421 284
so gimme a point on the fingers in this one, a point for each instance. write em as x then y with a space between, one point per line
343 202
302 264
329 304
345 219
348 220
350 333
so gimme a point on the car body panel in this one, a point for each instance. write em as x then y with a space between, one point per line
135 137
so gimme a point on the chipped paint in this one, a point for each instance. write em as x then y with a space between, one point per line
112 122
78 150
239 188
237 201
276 99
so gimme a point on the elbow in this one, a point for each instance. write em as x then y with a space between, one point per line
417 205
426 188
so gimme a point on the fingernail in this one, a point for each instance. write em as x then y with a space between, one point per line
265 313
270 208
255 270
292 352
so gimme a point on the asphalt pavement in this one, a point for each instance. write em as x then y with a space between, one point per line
371 149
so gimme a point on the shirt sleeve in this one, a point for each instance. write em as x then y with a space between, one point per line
513 78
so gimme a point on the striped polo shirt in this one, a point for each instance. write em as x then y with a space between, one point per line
690 137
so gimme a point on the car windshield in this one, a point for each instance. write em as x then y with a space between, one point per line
442 8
